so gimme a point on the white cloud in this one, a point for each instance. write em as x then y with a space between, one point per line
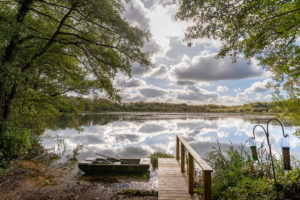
137 14
177 49
207 68
137 69
152 92
222 88
181 72
193 83
153 3
237 90
259 87
197 96
129 83
194 93
159 72
163 26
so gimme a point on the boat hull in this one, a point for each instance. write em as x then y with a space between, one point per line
130 166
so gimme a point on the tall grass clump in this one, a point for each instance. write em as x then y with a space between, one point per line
237 176
154 158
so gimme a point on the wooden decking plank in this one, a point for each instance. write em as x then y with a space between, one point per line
172 184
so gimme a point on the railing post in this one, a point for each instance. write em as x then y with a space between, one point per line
177 148
207 185
182 157
191 173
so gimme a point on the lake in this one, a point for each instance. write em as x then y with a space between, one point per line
135 135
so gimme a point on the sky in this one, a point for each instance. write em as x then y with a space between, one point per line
182 74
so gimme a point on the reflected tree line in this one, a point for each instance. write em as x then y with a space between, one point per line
99 111
92 119
68 121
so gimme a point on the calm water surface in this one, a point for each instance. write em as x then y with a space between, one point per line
135 135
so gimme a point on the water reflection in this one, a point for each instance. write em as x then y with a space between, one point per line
134 135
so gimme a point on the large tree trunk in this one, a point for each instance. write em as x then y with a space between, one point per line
8 102
9 50
7 96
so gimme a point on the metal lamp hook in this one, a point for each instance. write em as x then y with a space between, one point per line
284 135
254 130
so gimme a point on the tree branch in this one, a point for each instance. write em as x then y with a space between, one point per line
52 39
88 40
60 93
56 20
281 14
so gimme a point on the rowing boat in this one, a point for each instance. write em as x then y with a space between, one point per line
92 165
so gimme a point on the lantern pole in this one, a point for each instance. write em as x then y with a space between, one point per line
270 151
268 141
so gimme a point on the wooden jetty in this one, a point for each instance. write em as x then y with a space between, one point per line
174 183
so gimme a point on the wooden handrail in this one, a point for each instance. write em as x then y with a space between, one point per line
204 166
192 155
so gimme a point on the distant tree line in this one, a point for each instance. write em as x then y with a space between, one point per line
105 105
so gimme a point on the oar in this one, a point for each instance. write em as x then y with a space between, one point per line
114 158
107 160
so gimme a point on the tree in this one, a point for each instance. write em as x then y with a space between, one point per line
266 30
51 47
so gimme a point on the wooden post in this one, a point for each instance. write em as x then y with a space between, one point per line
191 173
182 158
177 148
207 185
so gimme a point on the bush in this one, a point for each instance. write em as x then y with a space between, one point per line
13 143
134 192
236 176
154 158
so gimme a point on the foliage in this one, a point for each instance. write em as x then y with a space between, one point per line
288 108
154 158
134 192
50 47
76 151
47 182
236 176
13 143
265 30
146 176
199 190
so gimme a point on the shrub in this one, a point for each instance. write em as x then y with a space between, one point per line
134 192
154 158
236 176
13 143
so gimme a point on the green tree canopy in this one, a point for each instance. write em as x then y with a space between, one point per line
267 30
50 47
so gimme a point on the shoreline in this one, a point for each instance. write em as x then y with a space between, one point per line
29 179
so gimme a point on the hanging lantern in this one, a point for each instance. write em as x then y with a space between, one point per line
286 158
286 154
253 149
254 152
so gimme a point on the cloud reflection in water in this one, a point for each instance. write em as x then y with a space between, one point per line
137 135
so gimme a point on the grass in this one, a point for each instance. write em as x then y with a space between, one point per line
154 158
134 192
237 176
